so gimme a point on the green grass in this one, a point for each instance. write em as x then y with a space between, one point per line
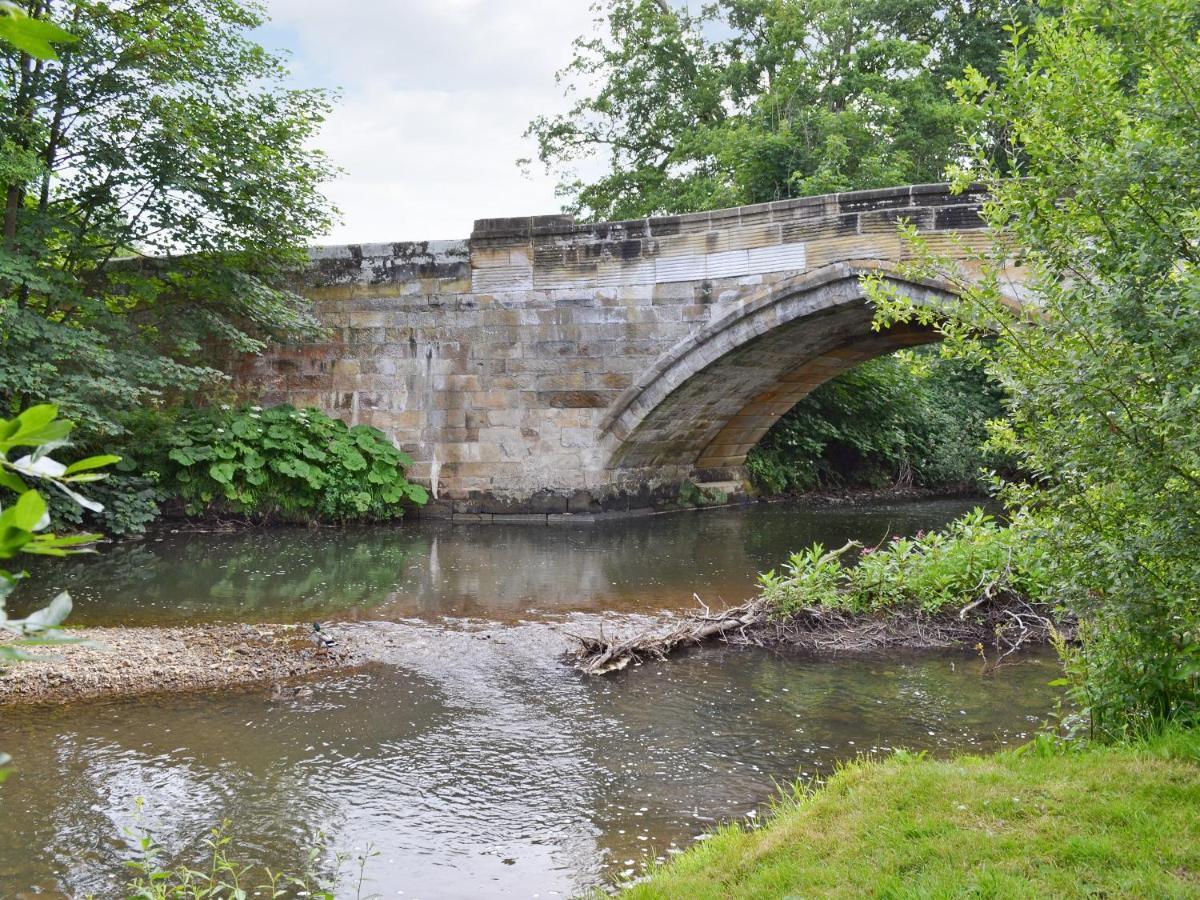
1096 822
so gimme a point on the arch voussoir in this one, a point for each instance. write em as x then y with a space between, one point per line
712 397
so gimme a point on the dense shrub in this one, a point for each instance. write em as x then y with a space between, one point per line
911 418
130 500
1101 364
281 464
935 572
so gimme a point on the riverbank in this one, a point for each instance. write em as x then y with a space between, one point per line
974 582
174 520
1040 822
820 498
995 629
125 662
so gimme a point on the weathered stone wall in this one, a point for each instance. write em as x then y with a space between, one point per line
548 366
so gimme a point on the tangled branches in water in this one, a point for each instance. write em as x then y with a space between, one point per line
1005 623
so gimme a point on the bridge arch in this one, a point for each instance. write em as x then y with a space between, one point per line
707 401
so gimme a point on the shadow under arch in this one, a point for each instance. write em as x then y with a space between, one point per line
706 402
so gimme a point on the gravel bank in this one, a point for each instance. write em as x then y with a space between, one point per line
133 661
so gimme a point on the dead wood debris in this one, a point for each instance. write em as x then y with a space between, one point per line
1002 622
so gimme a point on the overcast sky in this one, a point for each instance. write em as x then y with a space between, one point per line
436 96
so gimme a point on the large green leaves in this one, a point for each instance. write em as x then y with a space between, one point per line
92 462
36 37
24 520
35 427
284 463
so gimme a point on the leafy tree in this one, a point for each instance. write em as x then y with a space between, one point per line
757 100
1102 363
157 187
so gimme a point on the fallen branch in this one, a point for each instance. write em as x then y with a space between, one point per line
598 655
1000 619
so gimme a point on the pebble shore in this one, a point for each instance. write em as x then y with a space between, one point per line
136 661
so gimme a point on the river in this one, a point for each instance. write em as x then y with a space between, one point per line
474 763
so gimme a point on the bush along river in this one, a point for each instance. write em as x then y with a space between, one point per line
467 760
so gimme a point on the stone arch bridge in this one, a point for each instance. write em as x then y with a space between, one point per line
546 367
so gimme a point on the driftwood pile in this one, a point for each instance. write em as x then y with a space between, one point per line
599 655
1001 621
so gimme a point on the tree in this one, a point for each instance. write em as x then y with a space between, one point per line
157 189
907 418
757 100
1102 365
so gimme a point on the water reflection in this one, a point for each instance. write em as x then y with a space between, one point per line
502 573
479 766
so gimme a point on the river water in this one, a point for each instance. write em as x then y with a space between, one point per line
473 761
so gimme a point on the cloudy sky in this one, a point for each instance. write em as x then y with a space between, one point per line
435 97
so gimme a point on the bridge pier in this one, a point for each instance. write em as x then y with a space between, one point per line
548 367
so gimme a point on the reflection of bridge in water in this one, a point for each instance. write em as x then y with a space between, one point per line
552 367
429 571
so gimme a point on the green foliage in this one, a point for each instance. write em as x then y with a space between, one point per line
755 100
24 520
693 495
220 877
810 577
972 558
909 418
282 463
1101 365
163 131
131 504
36 37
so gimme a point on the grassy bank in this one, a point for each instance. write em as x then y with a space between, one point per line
1112 822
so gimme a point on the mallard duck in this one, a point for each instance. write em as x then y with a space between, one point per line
280 692
320 639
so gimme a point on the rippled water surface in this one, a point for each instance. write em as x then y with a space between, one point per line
474 761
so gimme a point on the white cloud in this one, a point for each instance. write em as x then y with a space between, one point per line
436 96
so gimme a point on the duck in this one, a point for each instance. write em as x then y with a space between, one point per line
320 639
280 692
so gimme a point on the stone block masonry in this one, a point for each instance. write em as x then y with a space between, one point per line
548 367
